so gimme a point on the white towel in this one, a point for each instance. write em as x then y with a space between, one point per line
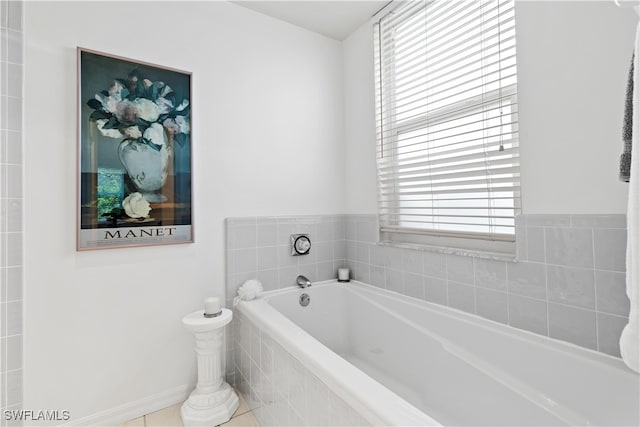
630 338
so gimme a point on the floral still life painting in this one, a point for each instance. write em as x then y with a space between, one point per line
135 153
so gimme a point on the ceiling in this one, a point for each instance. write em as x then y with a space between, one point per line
333 18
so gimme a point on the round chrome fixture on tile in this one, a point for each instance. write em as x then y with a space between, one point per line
300 244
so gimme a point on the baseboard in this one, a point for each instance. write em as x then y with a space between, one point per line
129 411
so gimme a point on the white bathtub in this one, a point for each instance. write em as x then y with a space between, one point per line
400 361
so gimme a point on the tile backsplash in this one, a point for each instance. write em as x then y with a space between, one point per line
260 248
568 281
11 207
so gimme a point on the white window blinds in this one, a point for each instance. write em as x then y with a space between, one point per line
447 120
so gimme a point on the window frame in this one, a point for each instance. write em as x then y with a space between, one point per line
390 233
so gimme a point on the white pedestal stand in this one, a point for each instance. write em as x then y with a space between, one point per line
213 401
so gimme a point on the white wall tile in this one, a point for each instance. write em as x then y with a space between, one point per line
572 286
281 391
13 387
413 285
460 269
326 271
515 293
13 78
527 279
267 257
4 40
569 246
490 274
14 180
535 244
609 329
14 114
244 236
611 293
14 215
528 314
4 14
492 305
610 246
435 290
14 15
435 265
13 353
317 392
267 232
599 221
13 318
412 261
461 296
270 279
573 324
323 250
11 200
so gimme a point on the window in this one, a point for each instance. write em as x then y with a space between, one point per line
447 124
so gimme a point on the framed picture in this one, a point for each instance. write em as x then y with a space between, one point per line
134 184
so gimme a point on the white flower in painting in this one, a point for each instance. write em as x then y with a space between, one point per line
111 133
155 134
109 103
183 124
164 105
115 90
165 89
147 109
178 125
132 132
136 206
128 111
183 105
151 113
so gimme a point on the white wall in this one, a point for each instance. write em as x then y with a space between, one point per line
359 124
103 327
573 59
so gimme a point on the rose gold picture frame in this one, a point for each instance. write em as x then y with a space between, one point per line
134 153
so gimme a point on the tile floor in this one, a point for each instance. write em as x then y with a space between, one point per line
170 416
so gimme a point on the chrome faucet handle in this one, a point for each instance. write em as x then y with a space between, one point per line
302 281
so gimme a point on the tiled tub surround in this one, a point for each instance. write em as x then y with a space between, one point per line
259 247
568 281
11 207
369 346
278 388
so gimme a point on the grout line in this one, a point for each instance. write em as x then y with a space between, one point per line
595 286
446 277
475 286
546 282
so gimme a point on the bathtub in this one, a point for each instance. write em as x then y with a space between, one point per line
396 360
